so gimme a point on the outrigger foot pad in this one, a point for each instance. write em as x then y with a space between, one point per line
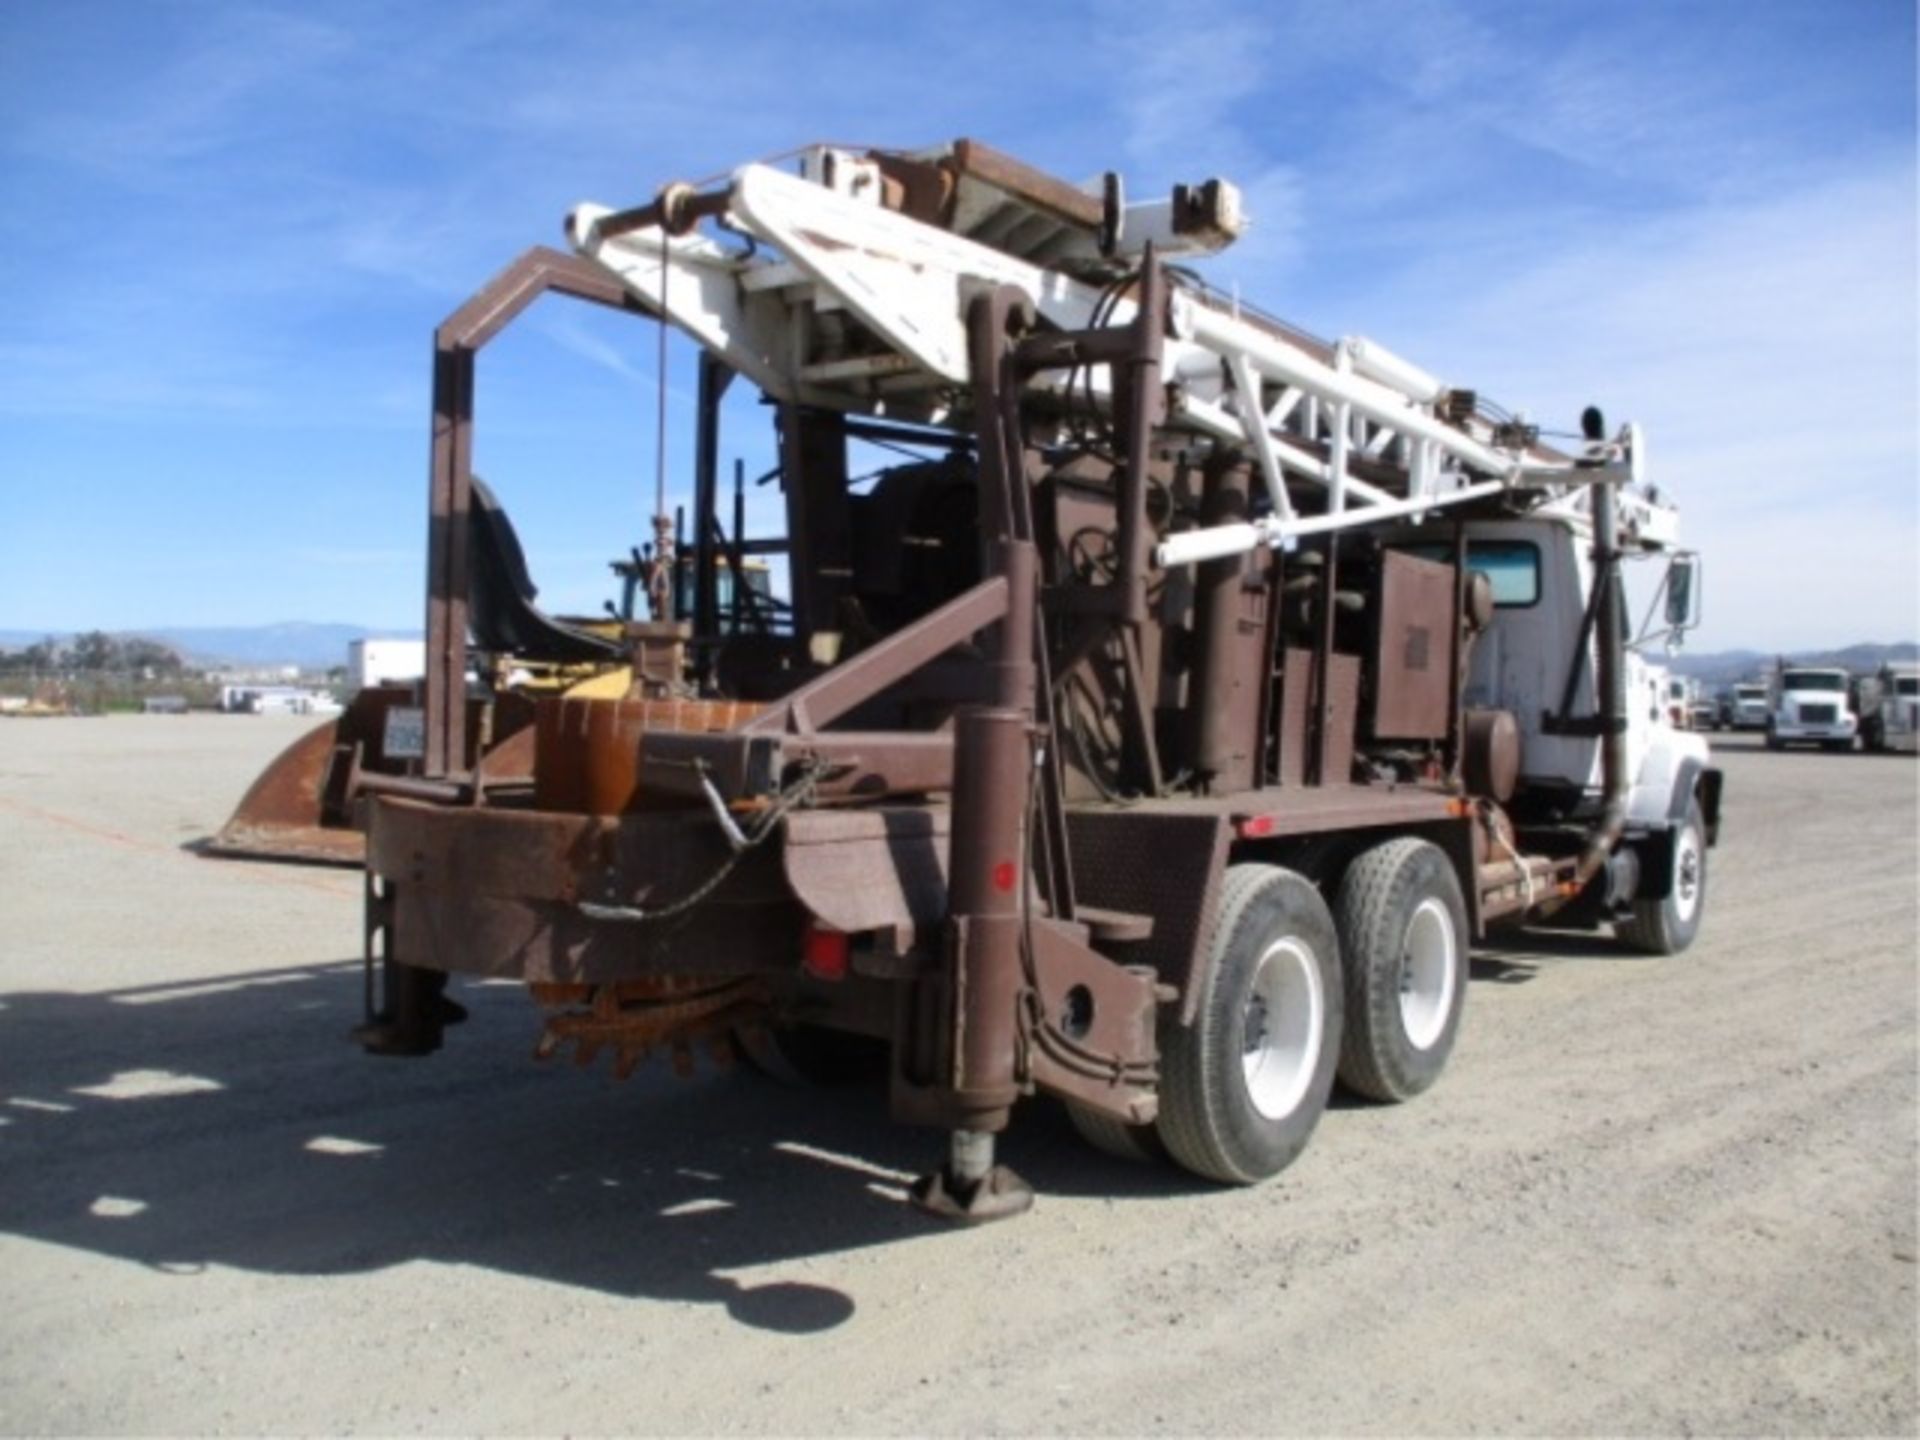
998 1195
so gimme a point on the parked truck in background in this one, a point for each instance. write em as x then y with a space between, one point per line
1156 733
1703 710
1811 705
1888 704
1745 706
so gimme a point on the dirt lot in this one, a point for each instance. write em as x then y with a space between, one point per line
1648 1196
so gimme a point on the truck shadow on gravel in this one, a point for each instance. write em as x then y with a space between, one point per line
232 1123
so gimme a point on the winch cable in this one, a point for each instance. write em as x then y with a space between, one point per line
796 793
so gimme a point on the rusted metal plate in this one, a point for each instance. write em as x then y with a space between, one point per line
1314 809
279 818
288 814
494 891
1151 859
1042 191
587 751
1412 648
870 869
1343 707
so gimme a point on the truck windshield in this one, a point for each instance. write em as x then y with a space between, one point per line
1750 692
1512 565
1813 680
1907 685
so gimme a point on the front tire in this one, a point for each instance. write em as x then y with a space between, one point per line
1403 946
1243 1087
1667 926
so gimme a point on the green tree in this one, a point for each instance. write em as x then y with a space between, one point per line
95 652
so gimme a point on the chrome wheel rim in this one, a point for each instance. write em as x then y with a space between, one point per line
1429 963
1689 874
1283 1028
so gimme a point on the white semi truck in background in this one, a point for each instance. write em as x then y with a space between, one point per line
1812 705
1745 706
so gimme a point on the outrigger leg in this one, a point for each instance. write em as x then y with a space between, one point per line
971 1188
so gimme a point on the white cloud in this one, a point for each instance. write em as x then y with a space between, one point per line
1769 350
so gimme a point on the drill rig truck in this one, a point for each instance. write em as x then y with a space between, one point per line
1158 732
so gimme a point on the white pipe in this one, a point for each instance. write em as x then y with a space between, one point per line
1188 547
1376 362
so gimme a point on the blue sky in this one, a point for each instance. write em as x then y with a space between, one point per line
227 231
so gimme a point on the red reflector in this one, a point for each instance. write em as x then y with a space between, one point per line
1004 875
1254 826
823 953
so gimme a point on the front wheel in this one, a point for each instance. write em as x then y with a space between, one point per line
1243 1087
1667 926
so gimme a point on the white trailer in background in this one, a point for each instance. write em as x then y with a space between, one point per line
1888 703
384 662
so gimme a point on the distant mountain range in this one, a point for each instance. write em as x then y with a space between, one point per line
293 642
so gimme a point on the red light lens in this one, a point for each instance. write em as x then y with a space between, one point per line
823 953
1004 875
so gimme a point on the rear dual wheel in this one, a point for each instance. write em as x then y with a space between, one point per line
1294 992
1243 1087
1403 933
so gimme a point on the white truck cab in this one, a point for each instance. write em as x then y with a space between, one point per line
1812 705
1537 660
1542 578
1747 706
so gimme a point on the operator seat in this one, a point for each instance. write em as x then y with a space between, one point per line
501 615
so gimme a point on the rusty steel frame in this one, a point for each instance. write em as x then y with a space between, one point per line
456 346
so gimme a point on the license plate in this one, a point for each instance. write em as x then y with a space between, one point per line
405 737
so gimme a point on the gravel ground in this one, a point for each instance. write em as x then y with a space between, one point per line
1649 1196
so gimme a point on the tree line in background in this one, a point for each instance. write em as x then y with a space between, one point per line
97 672
95 654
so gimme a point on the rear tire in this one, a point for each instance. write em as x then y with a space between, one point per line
806 1056
1667 926
1243 1087
1137 1143
1403 947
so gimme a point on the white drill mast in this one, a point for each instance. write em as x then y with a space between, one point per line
837 297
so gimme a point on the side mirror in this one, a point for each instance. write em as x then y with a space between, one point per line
1683 592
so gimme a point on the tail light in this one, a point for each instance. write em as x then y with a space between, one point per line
823 952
